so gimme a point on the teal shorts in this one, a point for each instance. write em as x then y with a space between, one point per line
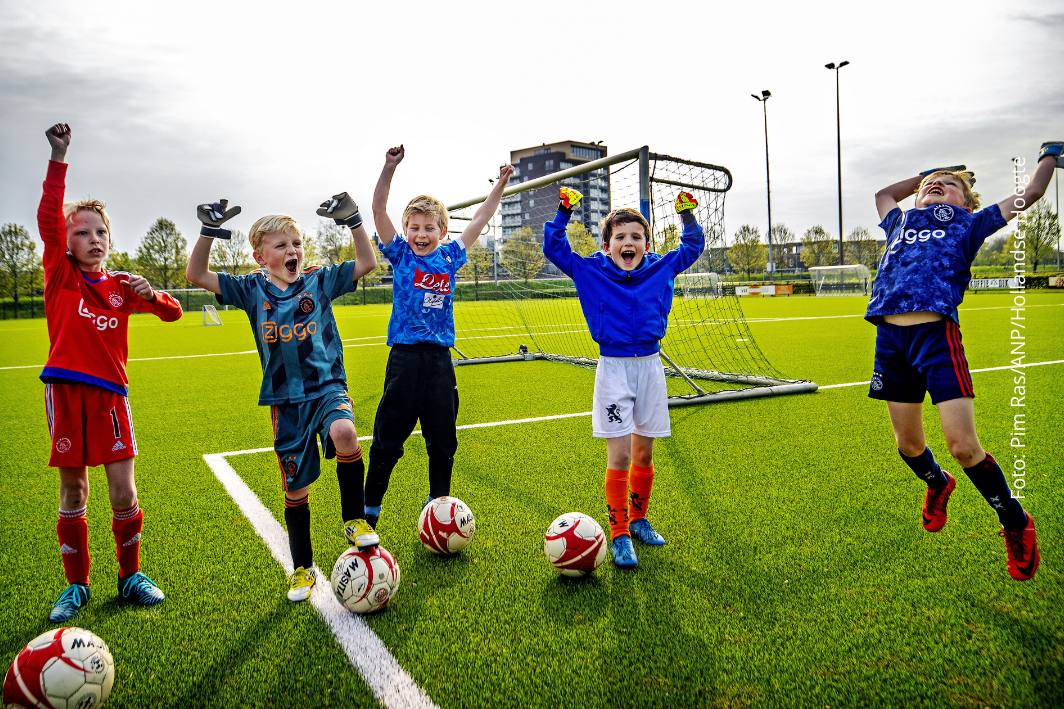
296 430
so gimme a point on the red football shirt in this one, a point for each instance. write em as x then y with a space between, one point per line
87 313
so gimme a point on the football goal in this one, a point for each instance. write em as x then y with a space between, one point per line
853 279
513 305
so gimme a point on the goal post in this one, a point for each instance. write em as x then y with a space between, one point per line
514 305
848 279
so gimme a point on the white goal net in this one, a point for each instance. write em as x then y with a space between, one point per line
853 279
512 304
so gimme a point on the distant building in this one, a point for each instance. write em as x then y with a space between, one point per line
536 206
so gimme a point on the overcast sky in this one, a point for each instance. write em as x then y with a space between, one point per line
276 105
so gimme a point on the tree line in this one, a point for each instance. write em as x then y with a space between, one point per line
1039 228
161 257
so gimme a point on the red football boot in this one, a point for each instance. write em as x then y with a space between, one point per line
935 501
1022 546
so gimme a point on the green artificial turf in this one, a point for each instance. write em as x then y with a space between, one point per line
796 570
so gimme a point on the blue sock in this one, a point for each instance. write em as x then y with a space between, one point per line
926 468
373 515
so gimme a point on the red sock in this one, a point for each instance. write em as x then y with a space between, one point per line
641 481
73 532
126 526
617 501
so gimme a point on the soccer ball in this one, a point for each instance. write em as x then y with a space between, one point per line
364 580
66 667
575 544
446 525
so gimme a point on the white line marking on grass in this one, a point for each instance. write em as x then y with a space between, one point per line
392 686
973 371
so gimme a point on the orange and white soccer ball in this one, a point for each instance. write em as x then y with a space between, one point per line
65 667
365 580
575 544
446 525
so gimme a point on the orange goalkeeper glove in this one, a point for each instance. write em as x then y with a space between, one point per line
685 202
569 199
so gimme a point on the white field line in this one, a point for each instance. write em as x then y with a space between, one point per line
382 338
392 686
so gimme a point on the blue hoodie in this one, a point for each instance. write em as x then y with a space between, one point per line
626 311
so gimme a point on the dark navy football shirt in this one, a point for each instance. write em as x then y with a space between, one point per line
926 265
295 330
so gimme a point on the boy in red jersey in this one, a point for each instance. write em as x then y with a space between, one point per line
87 309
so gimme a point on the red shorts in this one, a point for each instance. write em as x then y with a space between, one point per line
89 425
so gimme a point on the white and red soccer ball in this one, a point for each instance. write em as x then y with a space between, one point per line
575 544
65 667
446 525
365 580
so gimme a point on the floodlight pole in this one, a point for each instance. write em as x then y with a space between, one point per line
838 143
763 99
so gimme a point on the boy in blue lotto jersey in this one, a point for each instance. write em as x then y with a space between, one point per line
303 378
419 381
626 295
921 280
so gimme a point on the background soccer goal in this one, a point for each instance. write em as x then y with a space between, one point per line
852 279
520 307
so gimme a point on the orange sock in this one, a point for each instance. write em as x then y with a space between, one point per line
641 481
617 501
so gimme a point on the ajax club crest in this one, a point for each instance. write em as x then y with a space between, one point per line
943 212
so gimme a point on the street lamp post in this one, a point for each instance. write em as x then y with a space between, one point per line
838 143
763 99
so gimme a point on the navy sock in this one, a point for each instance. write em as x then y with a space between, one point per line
926 468
373 515
990 481
297 520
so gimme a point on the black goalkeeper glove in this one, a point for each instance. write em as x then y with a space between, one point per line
342 210
213 215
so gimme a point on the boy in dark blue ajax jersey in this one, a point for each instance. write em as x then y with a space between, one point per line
299 346
922 276
419 382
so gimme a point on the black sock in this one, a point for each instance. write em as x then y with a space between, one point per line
350 473
926 468
990 481
297 520
440 476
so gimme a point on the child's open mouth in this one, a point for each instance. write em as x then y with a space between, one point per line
935 190
421 245
290 265
628 256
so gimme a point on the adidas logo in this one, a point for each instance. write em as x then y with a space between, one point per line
118 446
67 549
132 540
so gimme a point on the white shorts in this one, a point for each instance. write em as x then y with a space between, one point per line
630 397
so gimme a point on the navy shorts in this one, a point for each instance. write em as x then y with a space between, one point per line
296 430
914 359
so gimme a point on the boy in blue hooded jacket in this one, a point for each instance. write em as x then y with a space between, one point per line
626 293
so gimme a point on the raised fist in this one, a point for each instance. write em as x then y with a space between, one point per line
569 198
394 156
685 202
342 210
58 136
212 215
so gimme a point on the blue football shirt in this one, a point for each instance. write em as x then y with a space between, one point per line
295 330
926 265
423 292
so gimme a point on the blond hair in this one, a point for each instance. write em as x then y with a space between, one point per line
88 205
430 206
624 215
971 198
272 224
